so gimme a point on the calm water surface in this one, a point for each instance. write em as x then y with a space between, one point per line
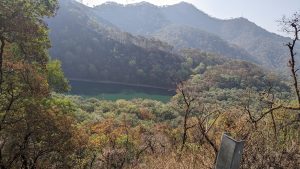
112 91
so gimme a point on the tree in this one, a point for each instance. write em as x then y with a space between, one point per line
35 128
281 115
21 24
291 26
56 77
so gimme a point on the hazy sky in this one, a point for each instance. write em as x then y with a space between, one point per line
263 12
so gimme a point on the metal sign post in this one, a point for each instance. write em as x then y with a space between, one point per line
230 153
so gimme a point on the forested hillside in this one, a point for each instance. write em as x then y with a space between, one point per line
92 48
182 37
265 47
89 49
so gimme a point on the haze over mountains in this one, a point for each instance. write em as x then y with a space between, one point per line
265 47
90 48
142 43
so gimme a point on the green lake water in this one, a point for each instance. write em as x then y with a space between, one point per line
113 91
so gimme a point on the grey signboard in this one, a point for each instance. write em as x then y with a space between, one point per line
230 153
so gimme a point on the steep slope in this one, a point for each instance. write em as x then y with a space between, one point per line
189 37
141 18
186 14
149 20
265 47
90 49
268 48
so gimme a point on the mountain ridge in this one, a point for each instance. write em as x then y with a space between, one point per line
264 46
94 48
90 50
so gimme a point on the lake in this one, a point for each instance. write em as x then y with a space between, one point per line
115 91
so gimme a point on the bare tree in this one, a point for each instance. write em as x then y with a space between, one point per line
204 127
188 100
291 26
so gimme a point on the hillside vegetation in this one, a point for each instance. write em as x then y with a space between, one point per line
265 47
93 48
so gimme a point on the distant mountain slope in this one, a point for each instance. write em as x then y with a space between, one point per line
188 37
90 49
265 47
186 14
140 18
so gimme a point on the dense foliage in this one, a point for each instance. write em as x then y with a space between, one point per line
89 50
35 129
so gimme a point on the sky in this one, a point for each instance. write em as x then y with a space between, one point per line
264 13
